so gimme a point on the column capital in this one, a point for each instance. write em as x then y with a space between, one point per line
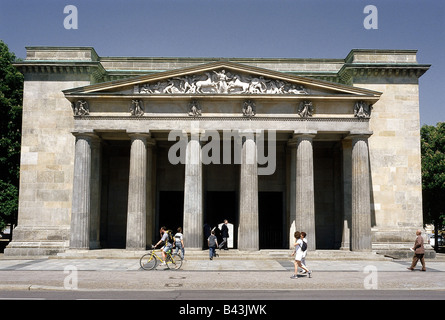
194 132
297 133
139 135
358 135
151 142
85 134
298 136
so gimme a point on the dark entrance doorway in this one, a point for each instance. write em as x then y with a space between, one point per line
271 220
171 211
328 194
220 205
114 193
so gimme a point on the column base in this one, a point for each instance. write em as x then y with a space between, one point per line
38 241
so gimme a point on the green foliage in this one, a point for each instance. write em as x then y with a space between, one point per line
8 203
433 173
11 92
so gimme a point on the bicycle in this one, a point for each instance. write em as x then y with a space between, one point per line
150 260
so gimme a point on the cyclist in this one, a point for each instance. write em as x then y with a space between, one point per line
166 244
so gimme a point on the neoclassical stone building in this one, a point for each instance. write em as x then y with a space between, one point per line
115 147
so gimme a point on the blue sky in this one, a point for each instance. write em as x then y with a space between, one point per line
238 28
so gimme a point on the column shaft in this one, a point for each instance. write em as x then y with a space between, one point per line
151 190
96 174
248 232
292 192
193 195
361 198
347 205
137 202
81 203
304 198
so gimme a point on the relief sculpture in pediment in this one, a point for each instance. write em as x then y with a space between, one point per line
220 82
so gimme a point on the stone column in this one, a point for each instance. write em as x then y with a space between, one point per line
193 195
137 193
151 189
248 231
81 202
302 193
347 206
292 145
96 174
360 195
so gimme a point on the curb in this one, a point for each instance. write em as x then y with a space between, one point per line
31 287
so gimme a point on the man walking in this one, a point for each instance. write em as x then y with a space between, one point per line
224 235
213 243
419 252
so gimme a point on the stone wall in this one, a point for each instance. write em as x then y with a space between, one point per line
46 172
395 155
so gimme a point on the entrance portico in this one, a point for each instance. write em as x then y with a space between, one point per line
242 179
210 132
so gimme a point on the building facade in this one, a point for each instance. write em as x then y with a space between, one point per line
113 148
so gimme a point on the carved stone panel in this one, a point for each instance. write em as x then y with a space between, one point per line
305 109
220 82
249 108
137 108
362 109
194 109
81 108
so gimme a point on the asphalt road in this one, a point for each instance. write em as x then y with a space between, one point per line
231 297
224 285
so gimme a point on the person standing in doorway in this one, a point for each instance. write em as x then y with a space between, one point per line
224 235
419 252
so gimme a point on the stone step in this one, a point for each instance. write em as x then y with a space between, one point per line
232 254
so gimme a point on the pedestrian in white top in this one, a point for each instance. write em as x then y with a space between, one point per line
299 252
303 259
179 242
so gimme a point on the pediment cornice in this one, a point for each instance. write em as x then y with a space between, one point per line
221 79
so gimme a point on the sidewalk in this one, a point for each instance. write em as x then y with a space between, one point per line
220 273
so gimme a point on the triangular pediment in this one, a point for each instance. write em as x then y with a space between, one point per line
222 78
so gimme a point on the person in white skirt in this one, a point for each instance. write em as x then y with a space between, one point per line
299 255
303 259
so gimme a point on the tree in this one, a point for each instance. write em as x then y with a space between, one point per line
11 93
433 175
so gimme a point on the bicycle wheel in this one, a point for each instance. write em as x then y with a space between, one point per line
148 261
174 261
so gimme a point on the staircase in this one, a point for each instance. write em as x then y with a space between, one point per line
232 254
